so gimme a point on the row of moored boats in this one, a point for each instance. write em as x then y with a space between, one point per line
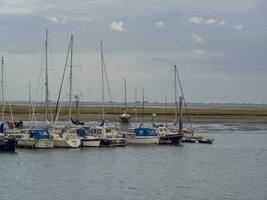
74 136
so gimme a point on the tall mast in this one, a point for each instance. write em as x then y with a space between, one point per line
2 89
143 104
135 95
175 96
71 54
180 113
30 103
102 73
125 97
77 107
46 78
165 101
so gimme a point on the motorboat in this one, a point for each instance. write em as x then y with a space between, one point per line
168 137
87 138
109 135
66 138
142 135
35 138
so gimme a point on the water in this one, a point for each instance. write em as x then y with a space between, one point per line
234 167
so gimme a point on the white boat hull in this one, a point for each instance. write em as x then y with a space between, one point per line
90 143
67 143
36 144
142 140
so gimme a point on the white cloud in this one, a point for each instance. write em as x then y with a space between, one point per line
65 19
76 19
238 27
160 23
196 38
210 22
52 19
117 26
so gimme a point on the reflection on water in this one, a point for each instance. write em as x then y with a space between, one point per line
234 167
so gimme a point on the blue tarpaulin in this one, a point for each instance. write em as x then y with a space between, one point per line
40 134
145 132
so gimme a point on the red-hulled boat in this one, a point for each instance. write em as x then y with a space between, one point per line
125 117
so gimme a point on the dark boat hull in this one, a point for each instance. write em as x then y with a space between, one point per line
112 143
8 144
170 139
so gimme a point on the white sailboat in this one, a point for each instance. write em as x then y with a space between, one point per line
142 135
108 133
65 138
124 117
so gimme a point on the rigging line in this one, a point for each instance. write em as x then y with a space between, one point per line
6 97
184 101
109 91
39 81
61 84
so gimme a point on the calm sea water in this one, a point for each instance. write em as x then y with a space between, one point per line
234 167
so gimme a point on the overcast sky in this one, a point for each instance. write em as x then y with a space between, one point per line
219 46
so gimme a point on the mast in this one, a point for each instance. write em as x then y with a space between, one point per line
2 89
165 101
77 107
180 113
71 54
135 95
61 84
30 103
143 103
125 97
102 74
46 79
175 96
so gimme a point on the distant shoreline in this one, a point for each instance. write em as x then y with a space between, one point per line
162 118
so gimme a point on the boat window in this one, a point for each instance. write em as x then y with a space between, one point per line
145 132
81 132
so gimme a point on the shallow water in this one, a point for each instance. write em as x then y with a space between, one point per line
234 167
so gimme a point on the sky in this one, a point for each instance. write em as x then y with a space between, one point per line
219 47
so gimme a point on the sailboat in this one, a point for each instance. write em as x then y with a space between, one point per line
108 133
64 137
37 138
171 135
7 126
124 117
142 135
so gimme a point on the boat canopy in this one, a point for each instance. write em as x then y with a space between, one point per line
40 134
81 132
145 132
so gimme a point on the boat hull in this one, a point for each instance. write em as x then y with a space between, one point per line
67 143
170 139
90 142
36 144
8 144
143 140
124 117
109 142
